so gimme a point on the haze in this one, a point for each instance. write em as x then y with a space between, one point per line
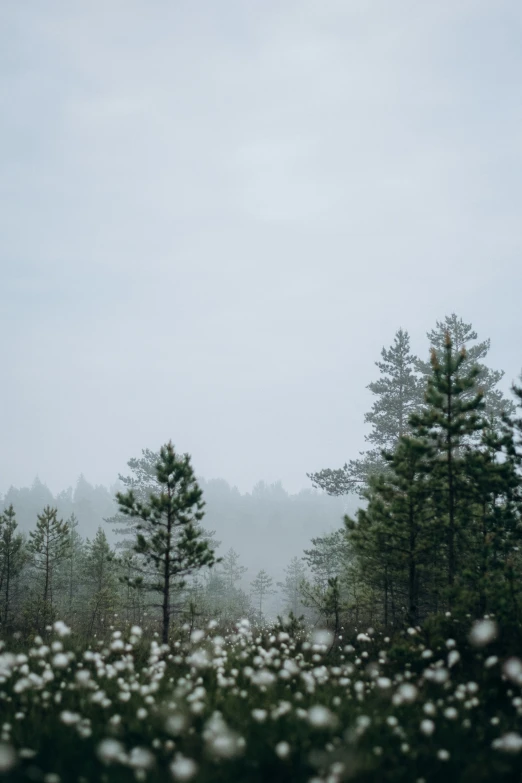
215 215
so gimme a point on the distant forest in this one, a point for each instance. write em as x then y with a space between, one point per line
428 518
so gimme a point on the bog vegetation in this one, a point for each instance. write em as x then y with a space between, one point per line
397 652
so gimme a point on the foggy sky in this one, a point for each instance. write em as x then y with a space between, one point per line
215 214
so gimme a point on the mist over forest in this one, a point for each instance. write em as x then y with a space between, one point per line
261 398
250 523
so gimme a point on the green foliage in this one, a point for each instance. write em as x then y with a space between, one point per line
291 587
452 415
262 586
13 556
462 335
440 702
101 578
49 546
168 536
398 393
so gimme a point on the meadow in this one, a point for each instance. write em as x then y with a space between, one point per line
441 702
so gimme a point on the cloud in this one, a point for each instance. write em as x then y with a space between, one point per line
213 216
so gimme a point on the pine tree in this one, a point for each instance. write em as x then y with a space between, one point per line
492 569
12 559
453 411
262 586
168 536
102 582
73 567
462 335
231 569
513 421
48 545
291 587
328 556
143 482
395 536
398 394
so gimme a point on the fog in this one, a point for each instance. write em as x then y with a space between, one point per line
215 215
267 527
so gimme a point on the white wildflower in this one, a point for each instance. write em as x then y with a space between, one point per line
406 693
509 743
323 637
175 724
110 750
7 757
282 749
82 677
199 658
513 669
321 717
453 658
70 718
60 661
483 632
427 727
141 758
183 768
61 628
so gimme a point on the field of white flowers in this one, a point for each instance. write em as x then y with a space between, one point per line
262 705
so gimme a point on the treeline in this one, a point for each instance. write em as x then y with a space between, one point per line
249 522
55 573
441 526
114 578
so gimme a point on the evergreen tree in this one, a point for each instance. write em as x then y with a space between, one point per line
452 415
513 421
231 569
101 579
262 586
143 482
291 587
395 536
326 601
328 556
49 546
12 559
462 335
72 569
398 394
494 532
168 536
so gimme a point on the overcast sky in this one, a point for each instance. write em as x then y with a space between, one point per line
213 215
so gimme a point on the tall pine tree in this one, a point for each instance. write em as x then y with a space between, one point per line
453 414
167 533
462 335
12 559
398 393
49 546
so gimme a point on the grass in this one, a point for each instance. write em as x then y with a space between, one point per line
258 705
